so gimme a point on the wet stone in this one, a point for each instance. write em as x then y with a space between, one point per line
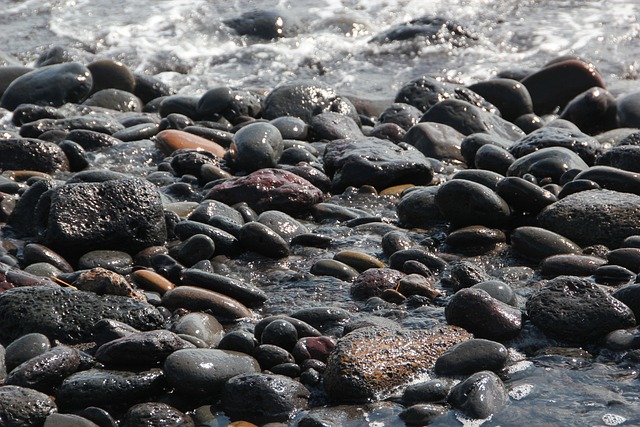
436 140
625 157
304 329
46 371
484 207
260 238
422 414
417 208
415 284
114 99
333 268
630 296
472 143
623 339
585 146
359 260
256 146
224 242
264 24
493 158
140 349
523 195
373 282
116 261
193 249
269 355
435 390
24 348
313 348
199 299
613 275
401 114
106 330
200 325
239 341
155 414
593 111
498 290
68 420
105 282
550 162
331 126
510 96
625 257
21 406
245 293
475 239
537 243
576 310
612 179
284 225
32 154
371 362
576 186
480 396
472 356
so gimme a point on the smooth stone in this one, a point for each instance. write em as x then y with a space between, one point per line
594 217
401 114
498 290
261 239
116 214
435 390
626 157
53 85
178 108
623 339
152 281
190 162
94 387
484 206
170 140
483 316
422 414
148 88
264 24
436 140
510 96
493 158
576 186
3 365
613 179
76 155
325 318
98 416
106 330
484 177
481 395
316 348
256 146
280 333
198 299
371 362
68 315
38 128
524 196
239 290
628 110
142 349
417 209
284 225
388 131
359 260
472 356
305 99
549 162
538 243
628 295
331 126
415 284
269 189
303 328
424 92
315 176
92 140
21 406
68 420
8 73
199 325
475 239
111 74
334 268
465 274
22 216
469 119
328 211
269 355
430 29
240 341
156 414
114 99
291 127
194 249
594 111
117 261
312 240
625 257
46 371
105 282
576 310
294 155
42 269
373 282
631 242
584 145
32 154
224 242
375 162
472 143
557 84
273 397
613 275
394 241
574 265
398 259
24 348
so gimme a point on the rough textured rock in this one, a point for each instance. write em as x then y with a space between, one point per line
68 315
23 407
140 349
576 310
376 162
75 219
269 189
371 362
32 154
46 371
594 217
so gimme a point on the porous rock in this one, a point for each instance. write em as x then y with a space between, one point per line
23 407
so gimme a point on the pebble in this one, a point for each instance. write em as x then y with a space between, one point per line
334 268
432 261
152 281
46 371
105 282
303 328
358 260
284 225
116 261
550 136
114 99
628 295
475 239
170 140
464 274
199 299
261 239
510 96
239 341
415 284
436 140
142 349
331 126
373 282
484 206
264 24
156 414
68 420
313 348
401 114
486 178
594 111
256 146
422 414
480 395
24 348
435 390
224 242
194 249
472 356
575 310
417 209
613 275
523 195
613 179
538 243
280 333
550 162
24 406
204 371
626 157
111 74
625 257
576 186
498 290
269 355
493 158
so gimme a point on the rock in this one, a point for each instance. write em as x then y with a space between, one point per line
143 349
32 154
524 196
628 110
613 275
24 348
269 189
475 239
422 414
374 281
625 257
114 261
547 162
537 243
585 146
114 99
200 325
102 124
417 208
430 260
498 290
68 420
371 362
510 96
74 219
223 242
264 24
472 143
111 74
359 260
575 310
432 29
170 140
280 333
269 355
98 387
481 395
106 330
375 162
594 217
305 99
148 88
333 268
483 206
256 146
469 119
68 315
53 85
326 319
556 84
155 414
259 238
435 390
594 111
628 295
612 179
196 248
303 328
331 126
625 157
204 372
46 371
415 284
8 73
198 299
435 140
573 265
21 406
493 158
401 114
469 357
483 316
243 292
464 274
487 178
273 397
316 348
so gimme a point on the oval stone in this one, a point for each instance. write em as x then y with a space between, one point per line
537 243
24 406
199 299
482 206
481 395
257 146
171 140
472 356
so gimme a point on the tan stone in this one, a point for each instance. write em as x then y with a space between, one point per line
170 140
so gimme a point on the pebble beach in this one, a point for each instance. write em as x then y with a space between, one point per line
351 240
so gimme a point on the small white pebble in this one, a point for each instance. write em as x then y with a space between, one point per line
613 419
520 391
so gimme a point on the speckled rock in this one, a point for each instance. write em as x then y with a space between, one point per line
23 407
576 310
376 162
46 371
68 315
625 157
594 217
155 414
371 362
32 154
140 349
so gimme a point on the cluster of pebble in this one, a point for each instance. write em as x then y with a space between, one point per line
116 307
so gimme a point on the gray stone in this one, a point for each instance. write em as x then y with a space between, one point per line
257 146
46 371
68 420
155 414
32 154
481 205
549 162
418 208
23 407
480 396
24 348
537 243
580 143
436 140
142 349
200 325
472 356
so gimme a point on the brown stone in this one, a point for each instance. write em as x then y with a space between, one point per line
170 140
152 281
198 299
371 362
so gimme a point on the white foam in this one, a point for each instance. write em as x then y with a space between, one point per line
520 391
613 420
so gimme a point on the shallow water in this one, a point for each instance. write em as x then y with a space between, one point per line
186 44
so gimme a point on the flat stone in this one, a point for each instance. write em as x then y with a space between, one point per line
140 349
537 243
200 299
